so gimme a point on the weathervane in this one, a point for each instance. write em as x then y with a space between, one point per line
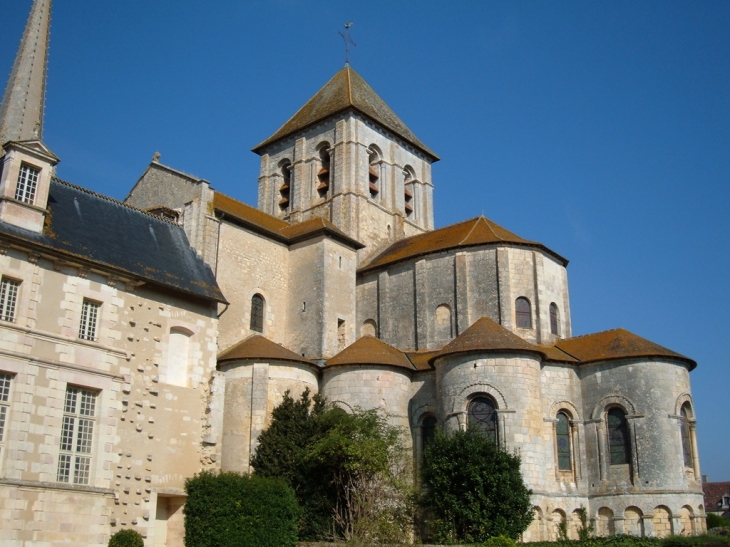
348 41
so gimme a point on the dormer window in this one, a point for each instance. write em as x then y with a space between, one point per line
373 171
285 188
27 184
323 175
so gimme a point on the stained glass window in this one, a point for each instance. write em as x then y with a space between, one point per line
523 312
619 445
483 417
257 313
563 441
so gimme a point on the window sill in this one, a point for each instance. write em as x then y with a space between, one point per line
57 486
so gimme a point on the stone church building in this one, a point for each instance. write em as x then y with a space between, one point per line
146 340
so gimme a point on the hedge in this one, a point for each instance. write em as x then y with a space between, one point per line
233 510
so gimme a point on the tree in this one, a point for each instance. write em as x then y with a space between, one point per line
349 471
473 489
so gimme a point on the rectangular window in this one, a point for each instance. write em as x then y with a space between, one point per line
4 409
27 183
89 319
74 461
8 298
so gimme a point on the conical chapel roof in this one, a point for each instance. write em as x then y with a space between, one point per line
260 347
368 350
346 90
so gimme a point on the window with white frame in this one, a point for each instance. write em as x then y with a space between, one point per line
4 409
89 320
74 459
8 298
27 184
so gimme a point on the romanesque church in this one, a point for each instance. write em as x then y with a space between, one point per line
146 340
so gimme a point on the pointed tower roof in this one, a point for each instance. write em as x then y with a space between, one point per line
346 90
486 335
475 231
21 112
368 350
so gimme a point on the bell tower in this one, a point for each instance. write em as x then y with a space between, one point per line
347 157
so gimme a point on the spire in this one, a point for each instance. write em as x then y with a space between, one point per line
21 112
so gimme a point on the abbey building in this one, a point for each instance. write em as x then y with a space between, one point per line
143 341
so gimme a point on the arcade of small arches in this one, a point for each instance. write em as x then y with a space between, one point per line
660 522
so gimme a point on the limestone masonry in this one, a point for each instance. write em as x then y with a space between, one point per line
142 342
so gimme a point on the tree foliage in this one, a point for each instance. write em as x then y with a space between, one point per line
229 509
349 471
126 538
473 489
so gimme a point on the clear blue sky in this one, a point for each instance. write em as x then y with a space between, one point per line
601 129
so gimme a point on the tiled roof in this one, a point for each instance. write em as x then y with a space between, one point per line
278 229
475 231
486 335
421 359
346 90
102 231
260 347
368 350
616 344
713 493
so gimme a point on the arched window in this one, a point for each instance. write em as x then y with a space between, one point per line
483 416
373 170
619 444
257 313
409 176
443 323
562 440
523 313
686 436
178 357
554 319
323 176
369 328
428 432
285 188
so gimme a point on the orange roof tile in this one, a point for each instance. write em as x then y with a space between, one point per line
247 214
616 344
421 359
260 347
475 231
486 335
313 226
368 350
346 89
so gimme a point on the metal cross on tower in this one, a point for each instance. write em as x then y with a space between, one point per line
348 41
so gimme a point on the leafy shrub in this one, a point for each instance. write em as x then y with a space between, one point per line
610 541
696 541
499 541
716 521
473 489
229 509
126 538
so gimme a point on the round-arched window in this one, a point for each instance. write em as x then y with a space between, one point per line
619 444
257 313
483 417
523 313
562 439
686 437
554 319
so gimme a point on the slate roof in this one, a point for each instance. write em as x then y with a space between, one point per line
475 231
260 347
713 493
616 344
368 350
346 89
278 229
102 231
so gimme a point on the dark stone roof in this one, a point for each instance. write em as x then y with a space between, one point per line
713 493
468 233
260 347
616 344
101 231
346 90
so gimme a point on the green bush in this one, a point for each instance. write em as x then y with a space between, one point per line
499 541
716 521
126 538
229 509
473 489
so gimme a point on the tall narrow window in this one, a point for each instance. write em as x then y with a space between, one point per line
554 319
74 460
686 436
562 437
619 444
523 313
285 188
428 432
323 176
341 334
483 416
409 176
257 313
373 171
89 320
27 184
443 323
178 357
4 410
8 298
